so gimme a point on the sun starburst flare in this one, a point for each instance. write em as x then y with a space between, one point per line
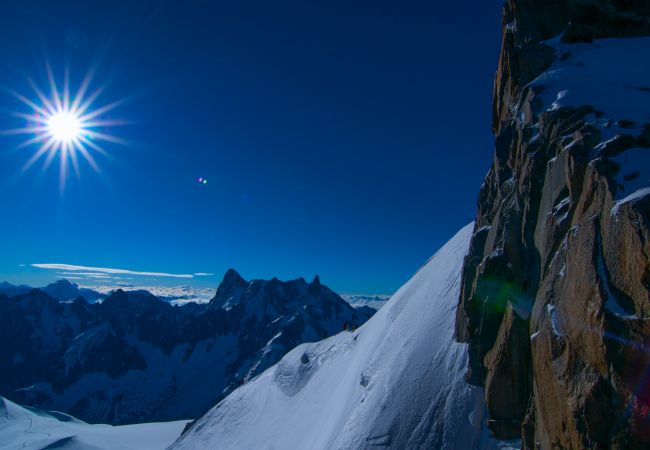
64 125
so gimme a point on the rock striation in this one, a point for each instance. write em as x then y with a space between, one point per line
555 299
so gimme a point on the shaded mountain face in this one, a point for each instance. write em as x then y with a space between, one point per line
10 290
555 293
62 290
134 358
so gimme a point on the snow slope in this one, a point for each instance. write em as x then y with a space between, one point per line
397 382
22 428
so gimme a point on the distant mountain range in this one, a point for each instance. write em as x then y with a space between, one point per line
61 290
371 301
65 290
135 358
10 290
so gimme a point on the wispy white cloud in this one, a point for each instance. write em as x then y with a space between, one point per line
105 270
87 274
203 274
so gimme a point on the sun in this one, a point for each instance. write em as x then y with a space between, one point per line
64 125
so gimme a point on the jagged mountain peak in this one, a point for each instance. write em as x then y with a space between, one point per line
234 290
63 282
65 290
232 277
229 289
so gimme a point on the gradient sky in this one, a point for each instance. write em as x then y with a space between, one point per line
345 139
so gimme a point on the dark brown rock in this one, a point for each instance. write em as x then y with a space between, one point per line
507 385
555 298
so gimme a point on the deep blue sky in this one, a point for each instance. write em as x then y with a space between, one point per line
345 139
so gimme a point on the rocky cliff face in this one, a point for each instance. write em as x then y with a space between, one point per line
555 295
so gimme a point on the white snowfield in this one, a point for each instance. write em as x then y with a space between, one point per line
22 428
397 382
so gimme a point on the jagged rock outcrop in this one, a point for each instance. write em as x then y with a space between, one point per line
134 358
555 296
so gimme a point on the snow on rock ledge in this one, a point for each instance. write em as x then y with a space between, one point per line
397 382
609 74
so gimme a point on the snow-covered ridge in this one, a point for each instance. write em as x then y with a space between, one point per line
22 428
398 381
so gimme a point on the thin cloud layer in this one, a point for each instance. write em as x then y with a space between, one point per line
105 270
175 295
86 274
